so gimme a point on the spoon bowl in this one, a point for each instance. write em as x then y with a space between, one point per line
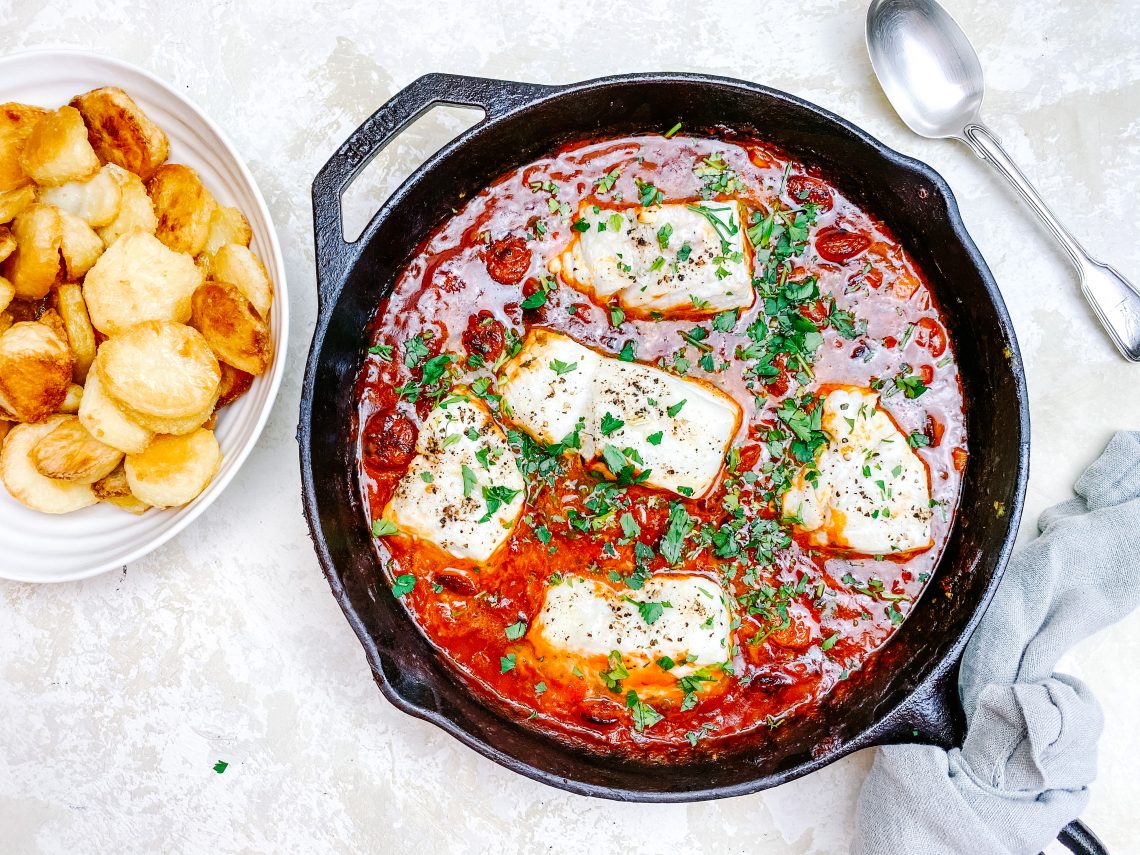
927 67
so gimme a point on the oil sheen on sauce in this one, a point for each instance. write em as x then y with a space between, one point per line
804 619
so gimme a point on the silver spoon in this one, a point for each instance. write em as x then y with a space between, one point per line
932 76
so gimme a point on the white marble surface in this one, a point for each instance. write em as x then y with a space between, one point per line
119 694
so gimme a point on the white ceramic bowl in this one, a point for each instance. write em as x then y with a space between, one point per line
37 547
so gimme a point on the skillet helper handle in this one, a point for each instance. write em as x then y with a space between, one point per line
494 97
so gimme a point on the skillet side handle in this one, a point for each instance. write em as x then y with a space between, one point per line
934 716
494 97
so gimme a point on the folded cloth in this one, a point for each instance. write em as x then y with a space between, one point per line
1029 755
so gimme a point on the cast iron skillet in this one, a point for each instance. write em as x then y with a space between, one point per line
908 692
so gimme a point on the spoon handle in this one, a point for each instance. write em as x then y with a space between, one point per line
1115 300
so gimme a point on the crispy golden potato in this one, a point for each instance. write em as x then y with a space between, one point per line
35 371
183 206
235 383
227 225
51 318
160 370
96 201
7 242
139 279
80 334
16 123
121 132
7 295
79 245
33 267
107 423
72 400
70 453
236 333
237 265
27 485
57 150
5 426
136 211
6 321
12 202
115 490
174 469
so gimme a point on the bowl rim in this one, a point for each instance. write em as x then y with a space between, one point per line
929 696
274 261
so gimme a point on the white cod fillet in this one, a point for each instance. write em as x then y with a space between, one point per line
677 429
442 507
868 491
678 260
583 621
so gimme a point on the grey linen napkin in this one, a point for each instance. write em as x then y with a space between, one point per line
1030 751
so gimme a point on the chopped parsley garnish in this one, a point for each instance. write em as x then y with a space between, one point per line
496 497
403 584
470 482
628 351
617 315
516 630
651 611
917 439
610 423
643 714
606 183
383 528
663 235
384 351
676 408
679 527
506 663
655 438
559 367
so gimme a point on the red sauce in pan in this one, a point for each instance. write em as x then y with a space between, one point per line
806 618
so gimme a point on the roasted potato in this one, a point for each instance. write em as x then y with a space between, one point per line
57 150
120 132
70 453
72 400
79 245
114 490
235 383
236 333
27 485
5 426
227 225
35 371
237 265
107 423
16 123
183 207
6 321
51 318
96 201
160 372
136 211
80 334
34 266
12 202
7 295
139 279
7 242
174 469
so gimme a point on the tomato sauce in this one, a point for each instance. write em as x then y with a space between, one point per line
804 618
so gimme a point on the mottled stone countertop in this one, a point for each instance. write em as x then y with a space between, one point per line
119 694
